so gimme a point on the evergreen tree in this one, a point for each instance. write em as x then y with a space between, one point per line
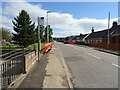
45 34
50 33
41 33
24 28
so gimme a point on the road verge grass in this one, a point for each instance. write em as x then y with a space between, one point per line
17 47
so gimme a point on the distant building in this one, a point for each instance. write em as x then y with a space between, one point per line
59 39
80 38
70 38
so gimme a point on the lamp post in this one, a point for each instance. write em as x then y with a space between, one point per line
108 30
38 37
119 12
47 27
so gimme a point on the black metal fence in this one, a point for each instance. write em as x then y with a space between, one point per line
12 65
11 69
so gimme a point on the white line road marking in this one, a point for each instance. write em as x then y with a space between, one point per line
115 65
90 54
93 55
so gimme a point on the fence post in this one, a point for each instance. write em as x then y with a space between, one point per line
9 48
24 65
24 62
35 49
9 78
29 48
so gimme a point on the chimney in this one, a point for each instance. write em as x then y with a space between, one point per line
92 30
114 24
116 28
80 34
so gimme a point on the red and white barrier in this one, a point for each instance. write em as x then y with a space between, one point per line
48 46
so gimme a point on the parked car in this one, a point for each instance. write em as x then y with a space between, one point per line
69 42
3 42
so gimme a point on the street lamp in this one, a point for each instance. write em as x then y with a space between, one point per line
47 27
108 30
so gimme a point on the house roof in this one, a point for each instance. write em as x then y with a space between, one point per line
74 37
70 37
116 31
98 34
81 36
104 33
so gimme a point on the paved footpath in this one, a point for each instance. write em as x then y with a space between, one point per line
55 71
35 77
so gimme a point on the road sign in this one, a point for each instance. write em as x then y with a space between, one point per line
41 20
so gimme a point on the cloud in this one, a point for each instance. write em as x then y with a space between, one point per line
62 21
6 22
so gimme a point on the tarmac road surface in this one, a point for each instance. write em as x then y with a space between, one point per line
90 68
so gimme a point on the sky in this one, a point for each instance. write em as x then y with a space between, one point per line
66 18
119 12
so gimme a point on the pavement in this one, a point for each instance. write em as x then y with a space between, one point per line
55 71
35 78
109 51
90 68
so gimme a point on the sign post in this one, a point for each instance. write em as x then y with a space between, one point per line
40 23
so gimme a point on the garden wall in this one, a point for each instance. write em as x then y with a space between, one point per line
30 59
114 47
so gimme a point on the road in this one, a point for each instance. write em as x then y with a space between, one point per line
90 68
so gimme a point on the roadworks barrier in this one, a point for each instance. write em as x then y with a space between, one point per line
48 46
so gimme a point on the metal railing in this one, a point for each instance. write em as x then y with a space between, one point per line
11 69
12 65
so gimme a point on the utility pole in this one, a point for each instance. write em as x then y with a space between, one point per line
47 28
38 38
108 30
119 12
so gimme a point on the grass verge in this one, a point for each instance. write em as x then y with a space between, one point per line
17 47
